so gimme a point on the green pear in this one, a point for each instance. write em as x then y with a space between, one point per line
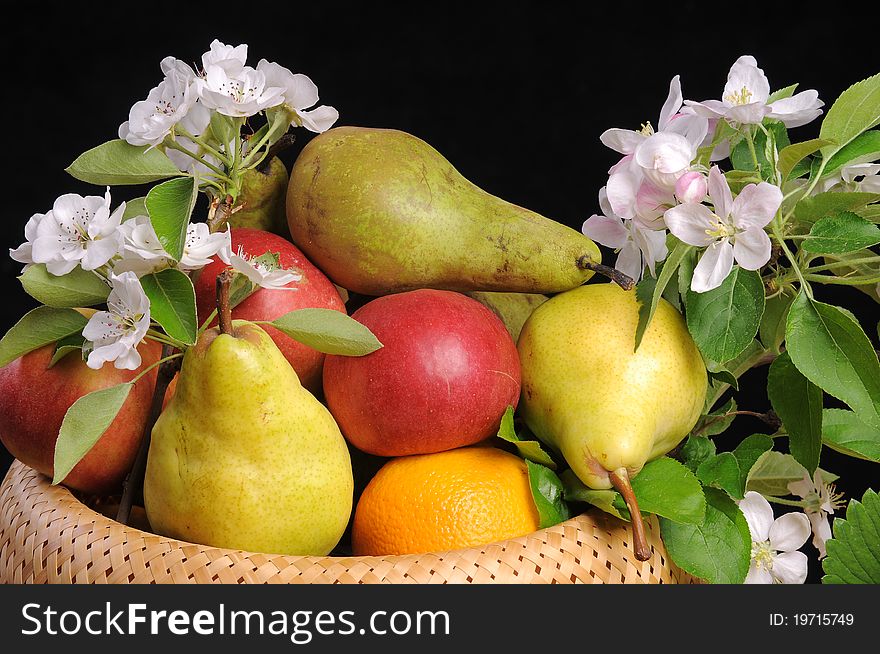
380 211
243 456
260 203
606 408
513 308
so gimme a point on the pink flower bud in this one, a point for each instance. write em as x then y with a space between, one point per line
691 187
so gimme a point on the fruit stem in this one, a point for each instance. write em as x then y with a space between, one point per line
134 481
224 309
624 281
219 213
620 480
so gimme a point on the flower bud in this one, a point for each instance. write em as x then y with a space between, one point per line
691 187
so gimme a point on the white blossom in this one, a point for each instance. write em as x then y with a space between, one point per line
78 231
201 245
237 92
257 270
24 252
861 177
144 253
300 93
733 231
116 333
744 100
173 101
821 501
638 246
229 57
775 559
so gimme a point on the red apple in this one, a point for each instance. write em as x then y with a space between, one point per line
36 397
314 290
446 374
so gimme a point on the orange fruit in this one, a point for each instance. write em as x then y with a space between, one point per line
449 500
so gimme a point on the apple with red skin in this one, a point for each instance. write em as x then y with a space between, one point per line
36 397
447 371
314 290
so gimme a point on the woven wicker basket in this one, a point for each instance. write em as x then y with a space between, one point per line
49 536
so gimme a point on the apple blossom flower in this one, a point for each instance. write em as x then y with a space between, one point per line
173 101
24 252
631 195
691 187
300 93
821 501
733 231
116 333
258 269
78 231
744 101
145 254
775 559
237 92
861 177
638 245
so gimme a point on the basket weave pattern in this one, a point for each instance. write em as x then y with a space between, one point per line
49 536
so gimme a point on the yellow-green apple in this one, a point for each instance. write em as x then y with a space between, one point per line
36 397
314 290
447 371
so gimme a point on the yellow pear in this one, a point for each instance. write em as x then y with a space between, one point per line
606 408
243 456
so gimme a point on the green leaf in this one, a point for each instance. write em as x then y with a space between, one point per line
830 349
741 156
604 499
724 321
773 472
717 550
791 155
729 470
830 203
772 329
853 553
279 119
664 487
650 290
328 331
78 288
781 94
66 345
843 232
529 450
84 423
548 494
134 208
117 162
695 450
37 328
716 422
224 128
862 149
856 110
798 403
843 432
170 205
173 303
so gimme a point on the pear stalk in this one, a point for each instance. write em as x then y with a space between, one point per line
624 281
224 309
620 480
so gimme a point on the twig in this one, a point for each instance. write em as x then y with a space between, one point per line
224 308
624 281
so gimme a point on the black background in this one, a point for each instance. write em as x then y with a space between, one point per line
514 94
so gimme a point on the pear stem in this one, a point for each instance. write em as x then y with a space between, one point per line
134 481
620 480
224 309
624 281
219 213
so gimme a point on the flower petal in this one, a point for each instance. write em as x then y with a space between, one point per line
789 532
758 514
758 575
319 119
790 568
665 152
629 261
708 108
748 114
745 74
713 268
621 190
624 141
719 192
672 104
751 249
798 109
755 205
605 230
688 223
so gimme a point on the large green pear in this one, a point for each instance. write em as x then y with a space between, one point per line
607 408
381 211
243 456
